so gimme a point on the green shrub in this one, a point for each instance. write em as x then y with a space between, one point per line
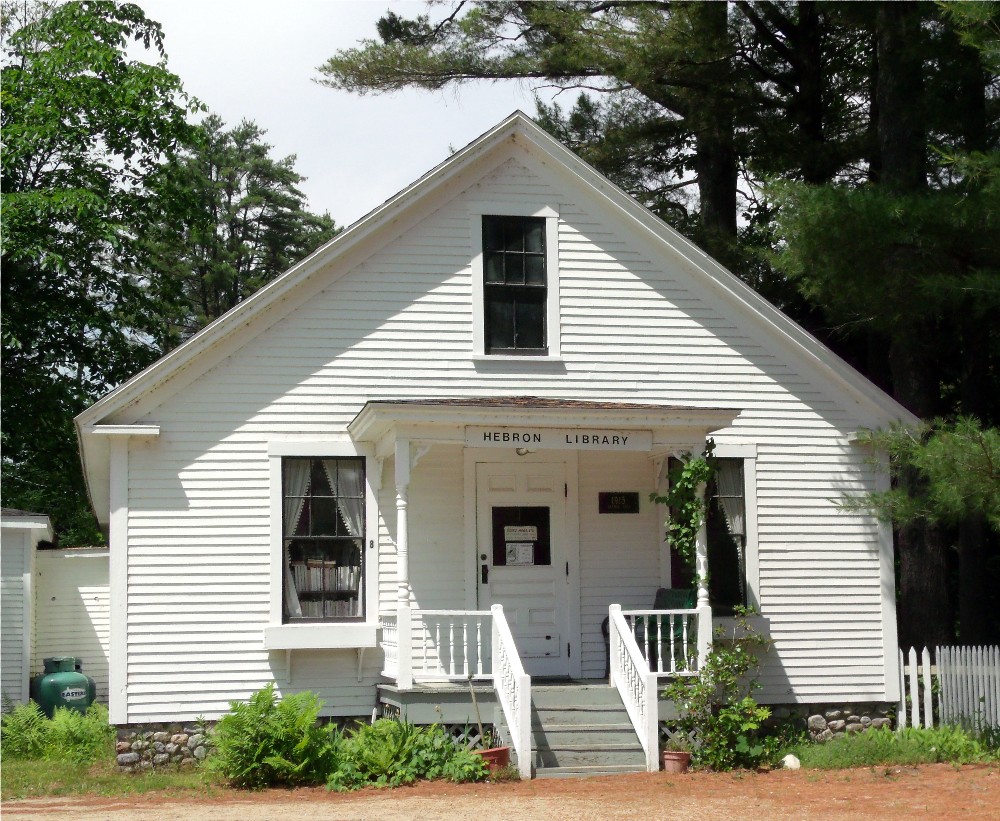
24 732
81 738
912 745
68 736
717 706
266 741
392 752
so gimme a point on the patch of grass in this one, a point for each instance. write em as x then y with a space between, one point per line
914 745
33 779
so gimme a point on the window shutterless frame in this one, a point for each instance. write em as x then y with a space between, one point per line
550 346
323 539
515 285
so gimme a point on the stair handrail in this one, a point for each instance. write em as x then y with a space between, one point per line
636 685
513 689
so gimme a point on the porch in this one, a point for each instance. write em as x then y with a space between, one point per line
433 658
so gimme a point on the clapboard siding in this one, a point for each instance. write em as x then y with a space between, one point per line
619 553
633 327
14 670
72 611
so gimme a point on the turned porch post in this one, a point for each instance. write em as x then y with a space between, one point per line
404 617
701 573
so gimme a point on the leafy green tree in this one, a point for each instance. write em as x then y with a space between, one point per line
84 125
233 220
912 255
876 126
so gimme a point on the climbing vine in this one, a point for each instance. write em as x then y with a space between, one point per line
685 500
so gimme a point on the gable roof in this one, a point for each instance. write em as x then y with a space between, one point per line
194 356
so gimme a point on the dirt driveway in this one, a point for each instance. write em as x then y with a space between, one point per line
928 792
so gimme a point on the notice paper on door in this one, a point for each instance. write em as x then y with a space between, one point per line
520 533
520 553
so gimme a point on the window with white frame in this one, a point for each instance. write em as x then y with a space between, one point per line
725 523
515 282
727 543
323 537
515 286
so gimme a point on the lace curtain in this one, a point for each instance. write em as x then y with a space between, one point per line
729 483
347 481
296 485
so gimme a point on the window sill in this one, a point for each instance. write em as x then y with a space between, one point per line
320 636
518 364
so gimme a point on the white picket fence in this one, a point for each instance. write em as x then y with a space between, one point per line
967 687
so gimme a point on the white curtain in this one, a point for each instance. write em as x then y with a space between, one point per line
349 488
296 485
348 485
729 482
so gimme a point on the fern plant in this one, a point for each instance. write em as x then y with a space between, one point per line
24 732
268 741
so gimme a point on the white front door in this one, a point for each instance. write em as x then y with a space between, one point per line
522 558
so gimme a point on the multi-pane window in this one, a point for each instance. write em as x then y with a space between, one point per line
323 539
514 284
726 528
725 525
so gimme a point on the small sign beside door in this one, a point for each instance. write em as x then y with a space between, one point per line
617 501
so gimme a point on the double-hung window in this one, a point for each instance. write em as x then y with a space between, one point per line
323 538
515 285
725 523
727 544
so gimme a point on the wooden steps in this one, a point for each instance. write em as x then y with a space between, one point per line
581 730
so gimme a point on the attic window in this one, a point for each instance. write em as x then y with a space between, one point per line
515 285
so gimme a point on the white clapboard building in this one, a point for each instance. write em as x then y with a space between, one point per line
427 452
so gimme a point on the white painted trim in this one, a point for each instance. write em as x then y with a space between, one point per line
276 516
477 210
516 360
320 636
118 583
887 578
312 448
574 580
334 447
122 430
736 450
25 523
27 612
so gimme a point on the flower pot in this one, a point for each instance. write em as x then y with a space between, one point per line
495 757
676 761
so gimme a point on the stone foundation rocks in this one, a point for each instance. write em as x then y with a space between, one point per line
826 721
161 745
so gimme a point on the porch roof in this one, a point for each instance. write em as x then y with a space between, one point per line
444 419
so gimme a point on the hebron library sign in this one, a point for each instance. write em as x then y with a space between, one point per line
558 438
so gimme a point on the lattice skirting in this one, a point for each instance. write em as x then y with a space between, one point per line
462 734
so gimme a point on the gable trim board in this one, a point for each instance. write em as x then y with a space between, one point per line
368 348
412 203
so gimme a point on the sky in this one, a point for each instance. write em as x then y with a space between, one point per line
257 60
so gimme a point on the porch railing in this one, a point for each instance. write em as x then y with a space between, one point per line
390 645
636 684
667 640
451 645
513 688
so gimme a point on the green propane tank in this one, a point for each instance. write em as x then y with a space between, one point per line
63 685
